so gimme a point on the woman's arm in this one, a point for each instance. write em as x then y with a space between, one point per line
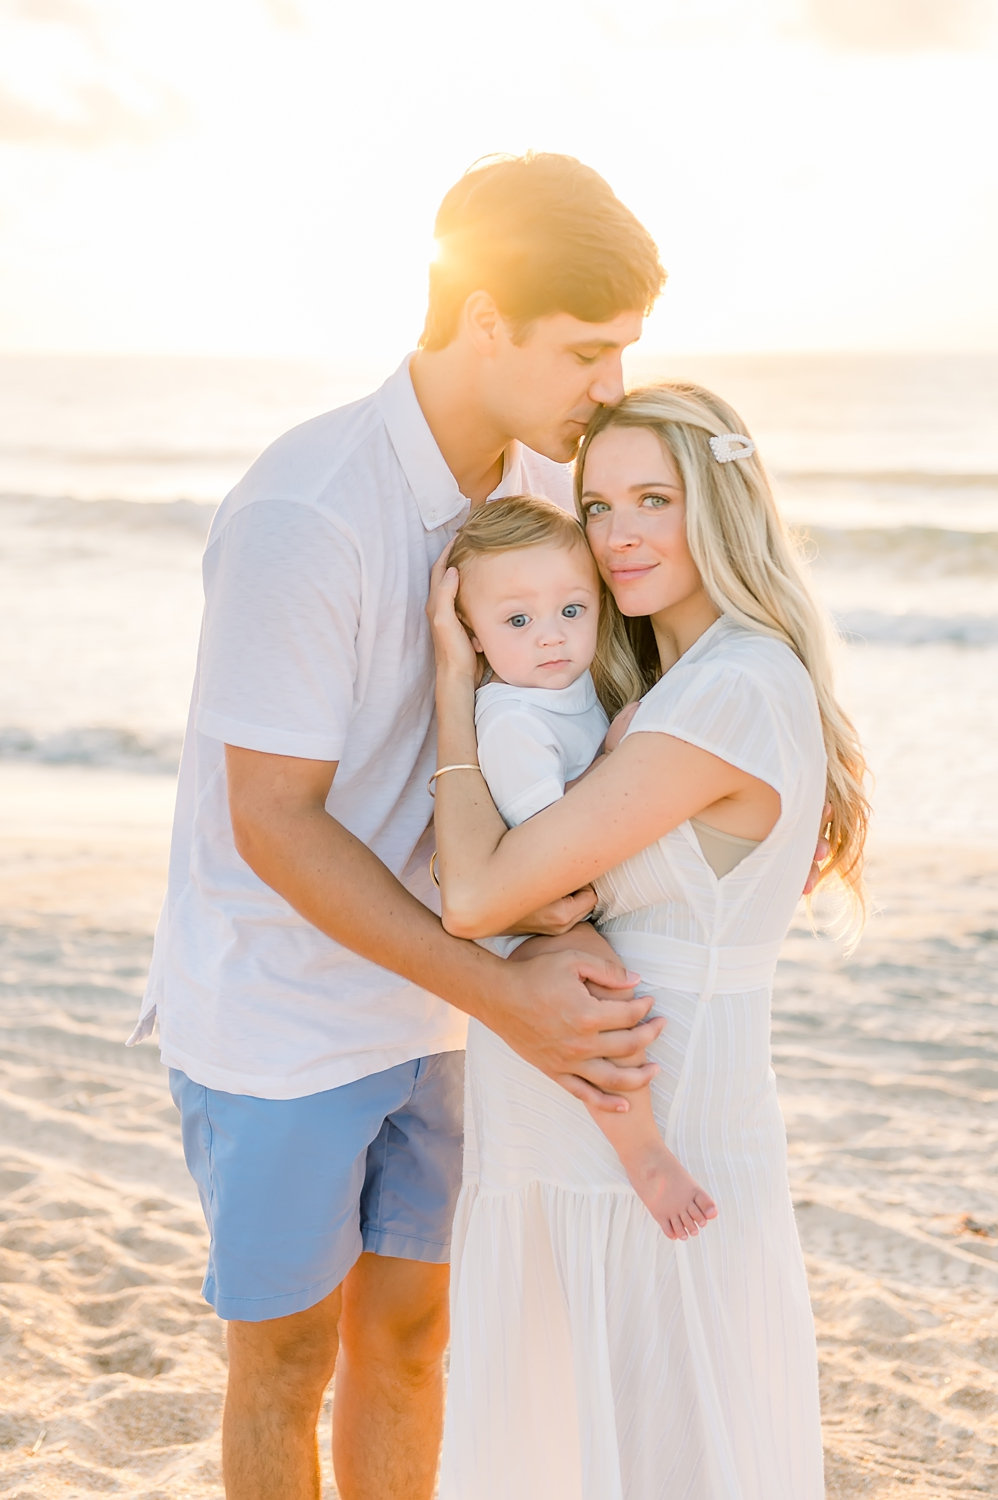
490 876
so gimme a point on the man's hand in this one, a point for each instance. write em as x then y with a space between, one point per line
548 1016
541 1006
558 917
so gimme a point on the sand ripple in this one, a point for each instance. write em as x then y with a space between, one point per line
112 1368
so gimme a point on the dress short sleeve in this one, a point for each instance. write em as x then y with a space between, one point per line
727 707
278 650
521 761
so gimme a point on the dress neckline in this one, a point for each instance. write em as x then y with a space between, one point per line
701 643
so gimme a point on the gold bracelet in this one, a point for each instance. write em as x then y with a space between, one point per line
433 870
443 772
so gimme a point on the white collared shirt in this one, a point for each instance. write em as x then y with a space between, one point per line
533 741
314 644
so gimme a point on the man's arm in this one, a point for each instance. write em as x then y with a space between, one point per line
540 1007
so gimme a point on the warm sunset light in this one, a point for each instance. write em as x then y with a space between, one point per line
261 177
255 803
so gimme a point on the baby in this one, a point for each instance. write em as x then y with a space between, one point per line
529 598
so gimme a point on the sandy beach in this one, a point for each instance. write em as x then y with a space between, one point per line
112 1368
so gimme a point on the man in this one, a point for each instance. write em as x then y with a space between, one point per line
309 1000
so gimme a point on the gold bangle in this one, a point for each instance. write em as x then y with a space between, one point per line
433 870
443 772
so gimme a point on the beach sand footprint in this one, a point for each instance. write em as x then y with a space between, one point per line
129 1353
908 1257
888 1077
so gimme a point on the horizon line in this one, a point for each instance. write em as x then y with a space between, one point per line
642 352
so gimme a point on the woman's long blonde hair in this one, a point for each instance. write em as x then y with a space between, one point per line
752 572
520 521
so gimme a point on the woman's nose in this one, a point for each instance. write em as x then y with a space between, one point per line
620 532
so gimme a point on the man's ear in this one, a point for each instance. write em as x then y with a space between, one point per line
483 322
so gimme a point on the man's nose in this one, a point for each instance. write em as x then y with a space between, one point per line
608 387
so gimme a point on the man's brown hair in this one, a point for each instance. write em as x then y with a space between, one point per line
541 234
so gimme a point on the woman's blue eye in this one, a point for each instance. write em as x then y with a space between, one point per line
597 508
658 499
517 621
572 610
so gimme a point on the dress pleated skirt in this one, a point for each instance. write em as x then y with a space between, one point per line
591 1357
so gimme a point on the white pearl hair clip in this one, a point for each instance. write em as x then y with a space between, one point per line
731 445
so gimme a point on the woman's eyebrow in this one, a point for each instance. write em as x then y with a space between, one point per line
644 484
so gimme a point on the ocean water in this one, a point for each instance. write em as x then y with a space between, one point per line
110 469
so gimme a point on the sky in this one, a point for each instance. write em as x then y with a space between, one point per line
261 176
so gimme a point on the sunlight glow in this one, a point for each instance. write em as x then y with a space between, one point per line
262 175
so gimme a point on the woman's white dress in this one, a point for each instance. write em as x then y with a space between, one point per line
592 1358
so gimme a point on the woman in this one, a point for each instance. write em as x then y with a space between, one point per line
593 1358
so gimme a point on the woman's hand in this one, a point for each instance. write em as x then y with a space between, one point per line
558 917
620 724
614 735
821 852
454 651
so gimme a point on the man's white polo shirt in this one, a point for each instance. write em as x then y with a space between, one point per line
314 644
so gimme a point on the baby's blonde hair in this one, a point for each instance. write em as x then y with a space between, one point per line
752 571
521 521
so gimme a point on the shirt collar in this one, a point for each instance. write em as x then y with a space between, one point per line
434 488
579 696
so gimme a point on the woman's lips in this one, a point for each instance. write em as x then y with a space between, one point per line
628 575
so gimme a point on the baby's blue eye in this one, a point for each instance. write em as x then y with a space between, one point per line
517 621
572 610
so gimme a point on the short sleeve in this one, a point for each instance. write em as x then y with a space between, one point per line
521 762
723 707
278 649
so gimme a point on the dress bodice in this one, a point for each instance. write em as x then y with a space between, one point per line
747 699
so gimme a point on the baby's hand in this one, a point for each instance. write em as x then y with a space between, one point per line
614 735
621 721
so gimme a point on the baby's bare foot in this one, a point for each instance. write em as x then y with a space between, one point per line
674 1199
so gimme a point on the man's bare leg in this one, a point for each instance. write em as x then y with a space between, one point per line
388 1399
278 1373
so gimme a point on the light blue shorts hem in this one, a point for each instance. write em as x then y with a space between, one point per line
382 1242
294 1191
261 1309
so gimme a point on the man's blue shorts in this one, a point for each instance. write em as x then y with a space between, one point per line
294 1189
